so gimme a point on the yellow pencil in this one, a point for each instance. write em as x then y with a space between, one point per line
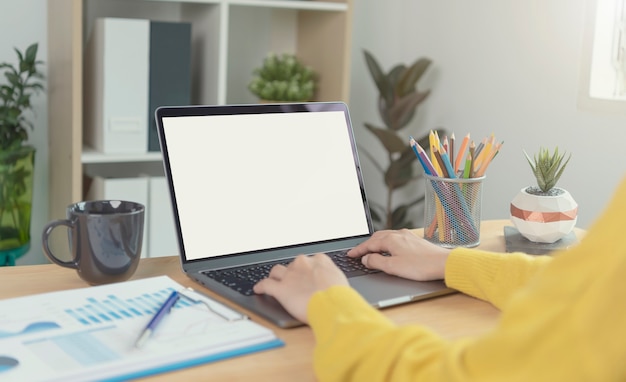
431 139
437 140
439 160
484 153
433 143
483 168
451 151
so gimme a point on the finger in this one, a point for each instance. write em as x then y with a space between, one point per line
378 261
375 244
265 286
277 272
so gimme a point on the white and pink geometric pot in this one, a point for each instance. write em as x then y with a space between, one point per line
544 218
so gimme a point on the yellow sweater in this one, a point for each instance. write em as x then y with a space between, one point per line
563 319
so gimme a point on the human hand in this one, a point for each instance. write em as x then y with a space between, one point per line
412 257
294 285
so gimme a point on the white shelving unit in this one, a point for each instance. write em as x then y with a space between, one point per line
229 39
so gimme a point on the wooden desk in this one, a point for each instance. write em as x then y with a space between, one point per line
452 316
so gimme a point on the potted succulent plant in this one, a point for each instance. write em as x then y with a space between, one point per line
545 213
283 78
16 157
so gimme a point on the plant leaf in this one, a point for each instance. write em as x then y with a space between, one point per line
401 113
391 142
394 76
400 214
380 79
400 171
398 217
375 215
371 158
411 76
547 168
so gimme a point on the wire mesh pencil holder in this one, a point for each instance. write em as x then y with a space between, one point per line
452 211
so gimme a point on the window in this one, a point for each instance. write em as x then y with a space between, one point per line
603 75
608 61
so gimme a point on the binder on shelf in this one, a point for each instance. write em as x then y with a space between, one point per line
161 227
44 337
116 85
130 188
170 70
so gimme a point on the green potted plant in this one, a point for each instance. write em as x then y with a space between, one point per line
16 156
283 78
545 213
398 100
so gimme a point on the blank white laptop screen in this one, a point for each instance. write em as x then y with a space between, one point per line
260 181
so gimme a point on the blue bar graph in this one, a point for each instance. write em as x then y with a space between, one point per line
112 308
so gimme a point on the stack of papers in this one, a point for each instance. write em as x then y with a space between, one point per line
90 333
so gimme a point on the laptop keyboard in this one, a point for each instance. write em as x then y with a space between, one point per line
242 279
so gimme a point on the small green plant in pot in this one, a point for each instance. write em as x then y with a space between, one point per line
545 213
283 78
16 157
547 169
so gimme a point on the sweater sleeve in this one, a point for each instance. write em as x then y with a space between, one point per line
489 276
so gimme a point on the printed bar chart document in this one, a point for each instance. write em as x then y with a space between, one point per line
90 333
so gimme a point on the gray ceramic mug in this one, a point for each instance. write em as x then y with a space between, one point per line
105 238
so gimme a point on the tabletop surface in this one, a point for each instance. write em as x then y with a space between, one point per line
452 316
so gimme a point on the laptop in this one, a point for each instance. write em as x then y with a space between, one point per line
257 185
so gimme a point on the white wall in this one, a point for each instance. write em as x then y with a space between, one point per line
22 23
505 67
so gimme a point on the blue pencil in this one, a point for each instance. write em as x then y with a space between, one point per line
419 151
447 163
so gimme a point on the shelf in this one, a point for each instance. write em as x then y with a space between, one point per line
91 156
286 4
292 4
229 38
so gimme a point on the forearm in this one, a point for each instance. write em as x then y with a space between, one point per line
355 342
490 276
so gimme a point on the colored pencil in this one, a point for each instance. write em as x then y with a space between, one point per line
459 157
437 154
448 165
479 148
432 141
451 150
422 157
483 168
468 166
485 152
472 153
437 140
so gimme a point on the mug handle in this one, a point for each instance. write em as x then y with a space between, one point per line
47 230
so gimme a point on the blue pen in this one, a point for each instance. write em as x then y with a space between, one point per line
158 317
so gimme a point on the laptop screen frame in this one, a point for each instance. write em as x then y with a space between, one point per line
270 254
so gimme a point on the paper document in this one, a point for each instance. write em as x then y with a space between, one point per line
90 333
